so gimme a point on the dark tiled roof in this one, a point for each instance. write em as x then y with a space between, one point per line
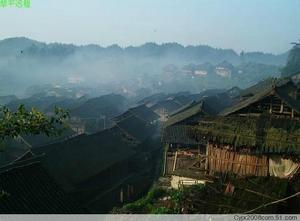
122 116
183 108
136 128
234 92
29 189
43 139
169 105
219 102
250 91
144 113
294 104
244 103
26 156
13 149
153 98
76 160
183 100
194 109
281 88
179 134
109 105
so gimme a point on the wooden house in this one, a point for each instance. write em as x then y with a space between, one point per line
98 169
257 136
92 168
184 153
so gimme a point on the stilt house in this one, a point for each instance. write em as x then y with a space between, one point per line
257 136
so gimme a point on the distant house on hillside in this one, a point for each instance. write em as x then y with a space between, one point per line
223 72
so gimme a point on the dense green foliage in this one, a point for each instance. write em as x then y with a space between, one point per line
159 201
31 121
293 63
145 205
213 198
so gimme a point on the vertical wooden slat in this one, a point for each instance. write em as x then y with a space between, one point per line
207 153
165 159
223 160
175 161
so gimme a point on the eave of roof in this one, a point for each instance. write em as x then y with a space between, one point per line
244 103
136 128
144 113
292 103
279 135
77 159
187 112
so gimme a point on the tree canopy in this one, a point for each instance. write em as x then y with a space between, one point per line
293 63
22 121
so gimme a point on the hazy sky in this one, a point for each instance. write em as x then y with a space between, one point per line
252 25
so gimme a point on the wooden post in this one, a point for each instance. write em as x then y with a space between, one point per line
281 107
165 159
292 113
199 157
121 195
175 161
206 154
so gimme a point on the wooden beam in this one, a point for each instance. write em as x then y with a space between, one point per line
206 153
165 159
281 107
121 196
175 161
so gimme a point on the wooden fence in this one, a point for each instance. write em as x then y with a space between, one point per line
223 160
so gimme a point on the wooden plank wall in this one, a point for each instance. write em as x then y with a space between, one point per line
223 160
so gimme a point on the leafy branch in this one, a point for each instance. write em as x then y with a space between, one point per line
31 121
